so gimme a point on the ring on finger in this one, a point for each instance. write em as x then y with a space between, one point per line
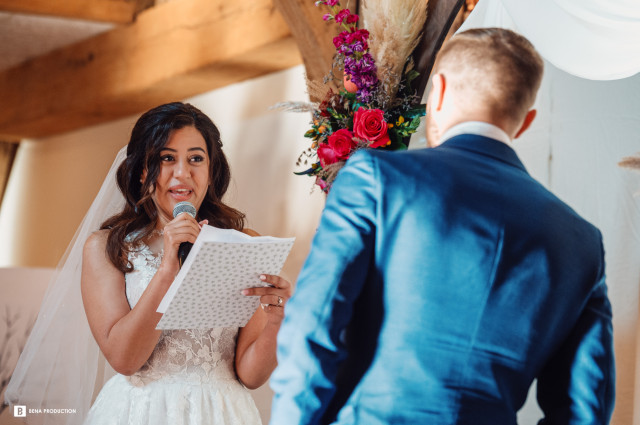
280 301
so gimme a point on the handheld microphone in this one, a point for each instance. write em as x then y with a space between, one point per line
185 247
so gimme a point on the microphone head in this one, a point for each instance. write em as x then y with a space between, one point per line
184 207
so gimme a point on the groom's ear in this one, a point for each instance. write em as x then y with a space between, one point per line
438 87
528 119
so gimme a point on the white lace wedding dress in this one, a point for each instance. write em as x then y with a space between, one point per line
188 380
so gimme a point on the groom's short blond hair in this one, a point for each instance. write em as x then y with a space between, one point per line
495 66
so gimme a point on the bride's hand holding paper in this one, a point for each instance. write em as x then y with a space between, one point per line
207 291
273 297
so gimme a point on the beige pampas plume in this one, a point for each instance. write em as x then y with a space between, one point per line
295 106
318 89
632 162
394 29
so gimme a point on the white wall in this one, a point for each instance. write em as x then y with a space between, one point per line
52 184
583 128
590 126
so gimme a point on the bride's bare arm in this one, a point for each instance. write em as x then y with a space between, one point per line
126 336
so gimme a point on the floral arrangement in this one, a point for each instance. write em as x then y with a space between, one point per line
374 105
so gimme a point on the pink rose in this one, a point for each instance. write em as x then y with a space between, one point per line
340 39
369 124
323 184
327 155
342 15
342 142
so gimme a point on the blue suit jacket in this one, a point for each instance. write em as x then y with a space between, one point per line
440 284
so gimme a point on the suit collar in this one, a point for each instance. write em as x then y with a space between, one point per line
485 146
479 128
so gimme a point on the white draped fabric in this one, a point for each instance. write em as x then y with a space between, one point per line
595 39
582 130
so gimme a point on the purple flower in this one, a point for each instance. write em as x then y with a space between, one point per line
367 64
358 47
327 16
349 62
361 67
352 45
346 50
364 95
368 80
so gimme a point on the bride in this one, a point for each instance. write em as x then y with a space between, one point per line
193 376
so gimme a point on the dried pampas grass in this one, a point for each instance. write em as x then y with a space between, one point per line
318 89
394 28
632 162
295 106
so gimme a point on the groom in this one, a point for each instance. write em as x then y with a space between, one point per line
443 281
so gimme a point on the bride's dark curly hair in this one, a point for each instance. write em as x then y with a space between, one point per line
140 215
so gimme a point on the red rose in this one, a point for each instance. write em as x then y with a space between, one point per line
327 155
369 124
342 142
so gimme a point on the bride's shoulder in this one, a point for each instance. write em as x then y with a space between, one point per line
96 241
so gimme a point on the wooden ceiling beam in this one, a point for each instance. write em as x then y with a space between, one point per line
173 51
313 35
115 11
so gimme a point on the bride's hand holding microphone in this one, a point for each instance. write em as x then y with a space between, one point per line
179 235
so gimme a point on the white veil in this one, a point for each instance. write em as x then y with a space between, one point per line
61 366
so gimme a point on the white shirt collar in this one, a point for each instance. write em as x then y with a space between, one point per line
477 128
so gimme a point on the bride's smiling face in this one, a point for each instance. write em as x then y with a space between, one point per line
183 174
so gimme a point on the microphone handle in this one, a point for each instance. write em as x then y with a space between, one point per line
183 252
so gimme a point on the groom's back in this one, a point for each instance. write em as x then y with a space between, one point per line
442 282
481 273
